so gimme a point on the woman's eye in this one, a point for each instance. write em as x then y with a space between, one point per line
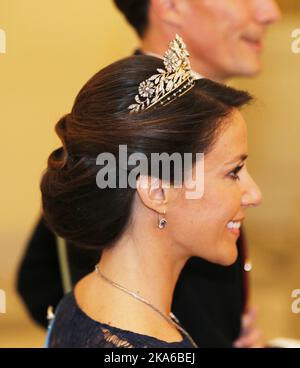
234 176
234 173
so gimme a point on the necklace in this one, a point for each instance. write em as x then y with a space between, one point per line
172 319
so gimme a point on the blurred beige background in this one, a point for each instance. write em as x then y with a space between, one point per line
53 47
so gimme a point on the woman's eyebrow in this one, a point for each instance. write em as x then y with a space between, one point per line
239 158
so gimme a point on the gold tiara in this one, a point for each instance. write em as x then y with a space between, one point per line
167 85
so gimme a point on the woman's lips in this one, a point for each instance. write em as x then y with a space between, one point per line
236 232
234 227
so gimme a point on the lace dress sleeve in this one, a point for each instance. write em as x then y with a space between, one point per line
112 340
72 328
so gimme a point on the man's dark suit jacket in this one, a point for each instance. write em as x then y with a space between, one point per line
208 300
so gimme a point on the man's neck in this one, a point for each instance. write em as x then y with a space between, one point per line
158 49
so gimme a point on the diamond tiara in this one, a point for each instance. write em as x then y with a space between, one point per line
168 84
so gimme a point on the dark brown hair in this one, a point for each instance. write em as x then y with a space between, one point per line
73 205
136 12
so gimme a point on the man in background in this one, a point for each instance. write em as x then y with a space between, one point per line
224 39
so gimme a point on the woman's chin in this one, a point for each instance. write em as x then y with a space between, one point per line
226 255
231 259
229 255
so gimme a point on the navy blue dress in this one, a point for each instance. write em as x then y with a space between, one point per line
72 328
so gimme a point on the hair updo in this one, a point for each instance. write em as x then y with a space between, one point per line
73 205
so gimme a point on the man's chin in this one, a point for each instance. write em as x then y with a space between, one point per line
251 68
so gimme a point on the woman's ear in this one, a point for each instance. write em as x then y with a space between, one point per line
153 193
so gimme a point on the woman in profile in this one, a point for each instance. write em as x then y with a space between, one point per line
145 232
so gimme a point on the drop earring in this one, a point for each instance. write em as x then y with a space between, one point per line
162 222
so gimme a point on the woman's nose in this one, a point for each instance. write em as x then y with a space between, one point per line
252 195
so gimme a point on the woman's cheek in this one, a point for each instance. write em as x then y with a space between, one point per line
226 199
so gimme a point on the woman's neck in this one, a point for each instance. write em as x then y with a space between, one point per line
146 264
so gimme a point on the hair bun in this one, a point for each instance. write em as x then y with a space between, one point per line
59 157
